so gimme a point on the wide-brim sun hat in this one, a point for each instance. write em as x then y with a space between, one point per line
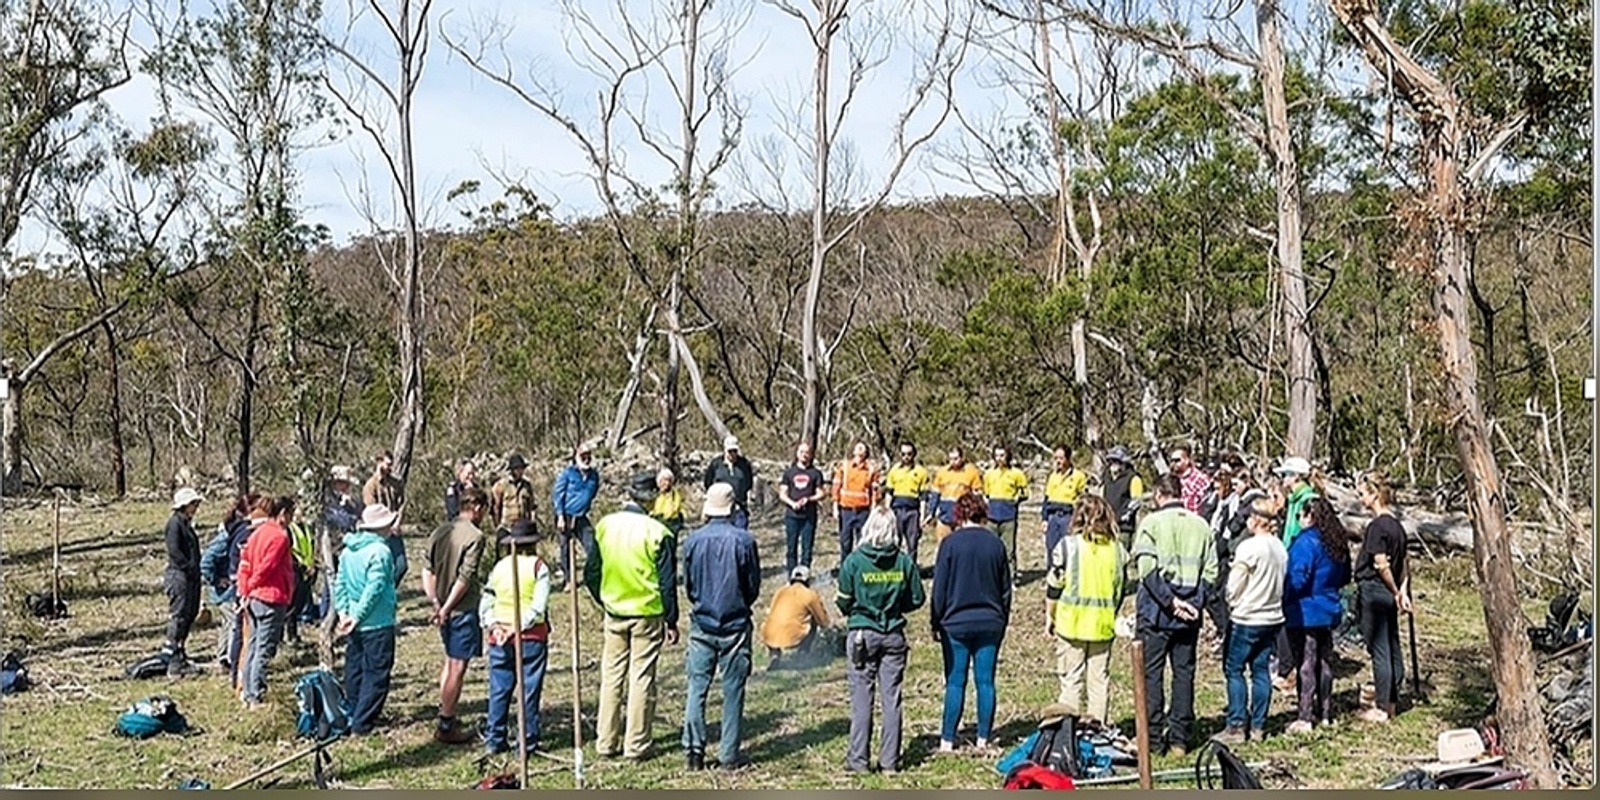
522 533
376 517
184 497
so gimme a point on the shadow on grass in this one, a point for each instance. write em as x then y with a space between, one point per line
1471 688
81 546
775 748
426 754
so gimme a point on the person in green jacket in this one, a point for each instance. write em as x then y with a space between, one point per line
1295 472
631 572
878 586
364 597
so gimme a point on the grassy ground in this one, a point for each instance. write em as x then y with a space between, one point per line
59 733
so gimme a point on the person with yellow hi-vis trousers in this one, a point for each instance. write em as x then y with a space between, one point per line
1004 488
909 493
1085 587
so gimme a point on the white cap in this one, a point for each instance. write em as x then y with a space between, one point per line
184 497
1293 465
730 443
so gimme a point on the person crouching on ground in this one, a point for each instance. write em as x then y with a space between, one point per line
721 578
531 588
266 587
878 586
795 622
364 598
970 607
1085 587
1255 595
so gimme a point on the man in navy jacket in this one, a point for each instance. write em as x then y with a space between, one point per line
722 578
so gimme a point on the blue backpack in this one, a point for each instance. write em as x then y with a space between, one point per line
151 716
321 700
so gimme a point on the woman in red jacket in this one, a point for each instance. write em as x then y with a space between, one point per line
266 587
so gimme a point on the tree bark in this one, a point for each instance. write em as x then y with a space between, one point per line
119 460
247 395
1437 110
411 333
829 19
1291 274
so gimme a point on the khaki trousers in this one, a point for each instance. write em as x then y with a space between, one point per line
1079 663
628 658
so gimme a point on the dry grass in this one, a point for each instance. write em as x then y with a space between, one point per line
59 734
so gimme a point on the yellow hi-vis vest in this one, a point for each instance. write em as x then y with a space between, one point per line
1086 585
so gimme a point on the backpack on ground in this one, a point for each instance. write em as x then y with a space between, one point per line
321 704
1057 745
1235 774
151 666
505 781
151 716
13 675
45 605
1029 775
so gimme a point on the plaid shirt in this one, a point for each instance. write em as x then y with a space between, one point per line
1195 485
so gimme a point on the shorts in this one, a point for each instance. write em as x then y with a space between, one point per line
463 639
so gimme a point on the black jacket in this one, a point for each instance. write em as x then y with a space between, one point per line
740 475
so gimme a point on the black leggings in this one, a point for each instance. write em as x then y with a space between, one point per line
1313 651
1380 629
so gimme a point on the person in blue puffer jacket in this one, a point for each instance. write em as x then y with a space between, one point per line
1319 567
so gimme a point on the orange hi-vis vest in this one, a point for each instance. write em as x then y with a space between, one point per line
855 487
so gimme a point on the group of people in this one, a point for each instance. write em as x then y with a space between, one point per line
1266 563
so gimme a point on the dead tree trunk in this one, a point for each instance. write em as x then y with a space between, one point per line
1437 111
1291 274
119 459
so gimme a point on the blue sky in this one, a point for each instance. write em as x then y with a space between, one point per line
466 128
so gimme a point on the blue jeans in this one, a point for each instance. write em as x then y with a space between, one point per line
799 535
397 546
980 651
851 521
707 654
266 632
368 664
503 690
908 523
583 530
1056 526
1249 645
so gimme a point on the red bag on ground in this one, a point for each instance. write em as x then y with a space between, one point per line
1029 775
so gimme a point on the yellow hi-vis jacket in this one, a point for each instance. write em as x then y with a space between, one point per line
1085 584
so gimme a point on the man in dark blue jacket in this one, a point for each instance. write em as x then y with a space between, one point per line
722 578
571 498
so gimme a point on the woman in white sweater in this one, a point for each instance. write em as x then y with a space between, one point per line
1255 600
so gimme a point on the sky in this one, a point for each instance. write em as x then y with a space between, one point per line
468 128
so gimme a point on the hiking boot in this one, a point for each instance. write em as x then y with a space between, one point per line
454 734
693 761
1230 736
739 762
1298 727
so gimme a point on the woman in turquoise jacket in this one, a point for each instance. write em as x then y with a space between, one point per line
364 596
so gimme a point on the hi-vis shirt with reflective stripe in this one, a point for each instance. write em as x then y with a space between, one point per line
1086 585
1179 544
855 486
907 483
1065 488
